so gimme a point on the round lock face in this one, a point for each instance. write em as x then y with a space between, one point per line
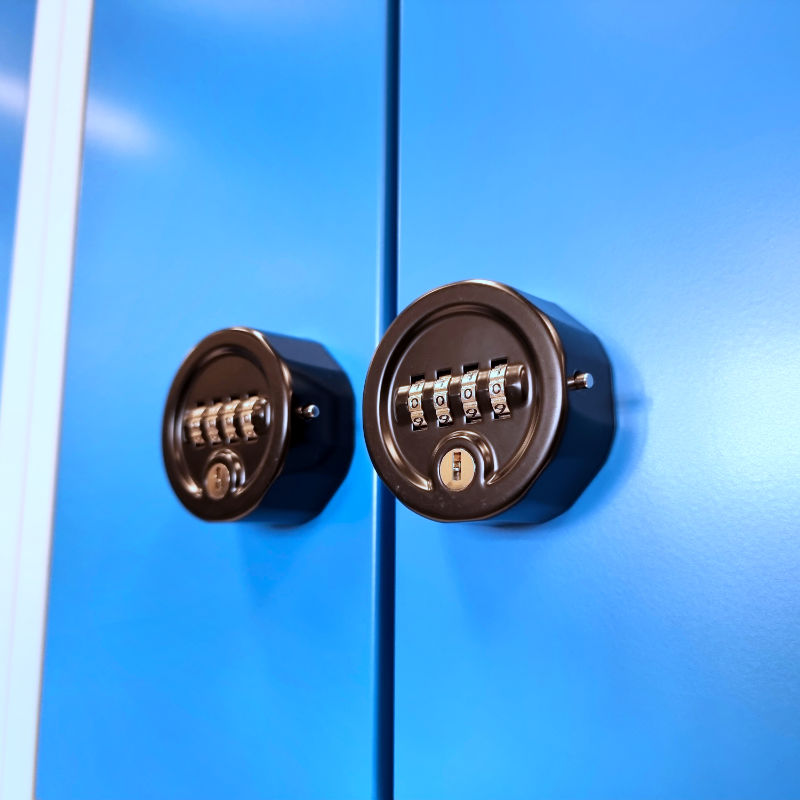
464 400
225 433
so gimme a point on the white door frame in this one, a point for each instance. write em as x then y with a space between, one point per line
33 370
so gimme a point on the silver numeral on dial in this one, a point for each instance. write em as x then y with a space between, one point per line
245 416
210 426
192 424
415 405
441 404
497 391
228 419
469 396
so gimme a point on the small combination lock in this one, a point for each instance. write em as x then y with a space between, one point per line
484 402
257 424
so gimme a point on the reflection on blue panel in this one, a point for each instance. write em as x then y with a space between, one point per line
231 177
639 166
16 36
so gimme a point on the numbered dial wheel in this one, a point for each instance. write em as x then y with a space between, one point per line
484 402
257 424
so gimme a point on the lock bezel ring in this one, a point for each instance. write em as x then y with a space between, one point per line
253 345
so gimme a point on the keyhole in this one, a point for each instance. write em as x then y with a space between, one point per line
218 481
457 469
457 465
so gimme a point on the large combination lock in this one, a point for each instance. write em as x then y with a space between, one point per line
481 401
257 423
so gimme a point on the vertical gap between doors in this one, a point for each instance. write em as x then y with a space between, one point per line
385 502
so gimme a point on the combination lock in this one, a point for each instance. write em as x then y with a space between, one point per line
258 424
483 402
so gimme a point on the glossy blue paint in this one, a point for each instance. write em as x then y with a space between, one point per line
16 38
232 175
637 164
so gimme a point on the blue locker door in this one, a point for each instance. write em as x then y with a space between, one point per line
232 176
16 34
637 164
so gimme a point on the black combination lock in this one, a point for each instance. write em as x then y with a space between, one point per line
482 402
259 424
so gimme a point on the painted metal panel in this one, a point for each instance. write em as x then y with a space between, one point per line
33 369
16 37
232 175
638 165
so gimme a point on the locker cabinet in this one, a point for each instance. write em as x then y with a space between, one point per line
638 166
231 176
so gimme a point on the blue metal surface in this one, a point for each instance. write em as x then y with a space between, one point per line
232 175
16 38
637 164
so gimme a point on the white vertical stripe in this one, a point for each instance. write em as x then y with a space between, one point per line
33 370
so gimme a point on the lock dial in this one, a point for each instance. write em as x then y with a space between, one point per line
474 408
259 424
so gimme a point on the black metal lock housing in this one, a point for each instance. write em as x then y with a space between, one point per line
257 424
483 402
